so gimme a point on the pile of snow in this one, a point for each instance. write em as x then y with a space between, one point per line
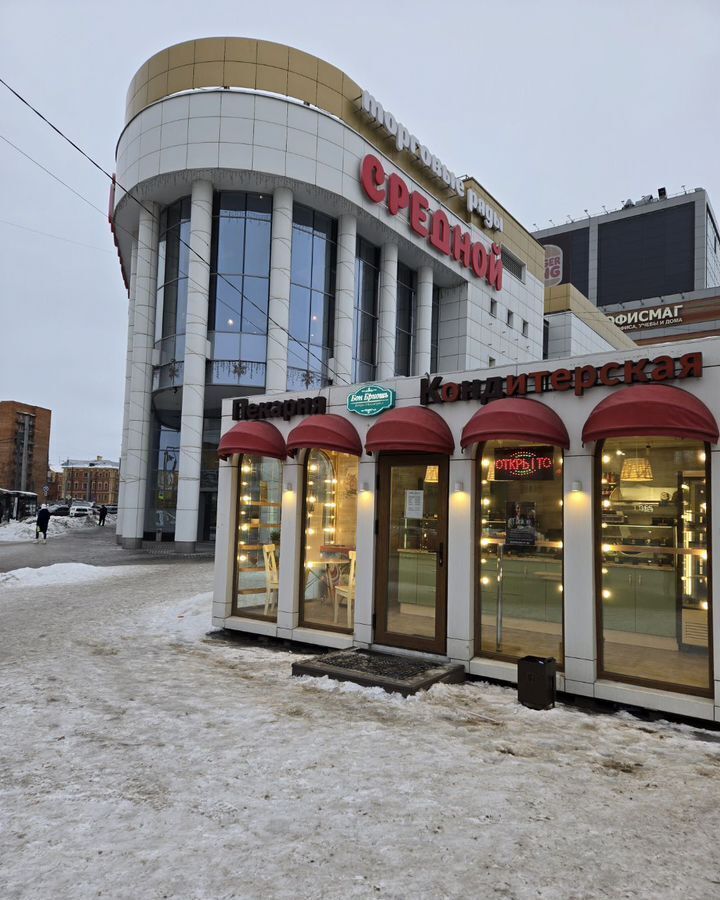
25 530
62 573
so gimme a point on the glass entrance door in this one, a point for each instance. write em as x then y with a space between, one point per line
410 588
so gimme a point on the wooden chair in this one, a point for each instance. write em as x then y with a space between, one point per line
272 580
346 590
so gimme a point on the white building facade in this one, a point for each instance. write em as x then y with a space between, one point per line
561 510
279 230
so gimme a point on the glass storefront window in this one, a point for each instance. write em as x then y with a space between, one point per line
654 593
258 537
520 552
328 557
162 483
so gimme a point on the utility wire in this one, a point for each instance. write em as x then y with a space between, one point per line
129 194
57 237
150 249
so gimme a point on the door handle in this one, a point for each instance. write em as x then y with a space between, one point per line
441 554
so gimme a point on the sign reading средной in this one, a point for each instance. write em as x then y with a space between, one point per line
578 380
243 409
452 241
370 400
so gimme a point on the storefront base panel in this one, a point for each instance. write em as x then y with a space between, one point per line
415 654
579 688
662 701
323 638
494 668
459 651
252 626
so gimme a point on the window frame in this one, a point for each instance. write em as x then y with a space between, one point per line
477 564
302 622
602 672
234 609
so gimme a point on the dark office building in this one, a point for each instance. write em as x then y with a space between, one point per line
656 247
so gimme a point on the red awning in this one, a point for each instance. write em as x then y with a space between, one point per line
257 437
515 419
326 432
412 429
652 409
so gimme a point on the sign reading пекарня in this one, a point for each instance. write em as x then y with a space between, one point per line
578 380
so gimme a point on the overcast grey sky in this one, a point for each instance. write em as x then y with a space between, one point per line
555 107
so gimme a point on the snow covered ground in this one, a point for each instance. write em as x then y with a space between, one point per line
24 530
143 759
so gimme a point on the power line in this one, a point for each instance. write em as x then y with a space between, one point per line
129 194
151 249
57 237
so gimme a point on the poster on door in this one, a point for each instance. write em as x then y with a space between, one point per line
414 504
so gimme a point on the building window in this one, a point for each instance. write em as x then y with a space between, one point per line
524 328
240 285
510 319
435 329
173 256
367 268
328 555
491 362
493 308
654 541
519 552
405 321
257 545
312 298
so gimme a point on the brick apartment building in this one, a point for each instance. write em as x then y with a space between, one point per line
95 480
24 446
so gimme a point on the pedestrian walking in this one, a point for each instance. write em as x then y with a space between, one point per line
101 516
43 520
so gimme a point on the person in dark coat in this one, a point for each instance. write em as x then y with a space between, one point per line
101 516
43 519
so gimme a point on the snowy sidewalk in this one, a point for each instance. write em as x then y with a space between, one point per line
147 761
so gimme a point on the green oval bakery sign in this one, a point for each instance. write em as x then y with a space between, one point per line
371 400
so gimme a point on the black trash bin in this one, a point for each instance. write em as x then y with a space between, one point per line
536 682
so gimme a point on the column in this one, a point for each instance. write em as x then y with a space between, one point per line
423 328
279 307
224 573
345 300
387 317
137 455
126 405
461 561
193 391
579 572
288 612
365 547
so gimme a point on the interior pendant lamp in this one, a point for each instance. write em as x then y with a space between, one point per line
432 474
636 468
